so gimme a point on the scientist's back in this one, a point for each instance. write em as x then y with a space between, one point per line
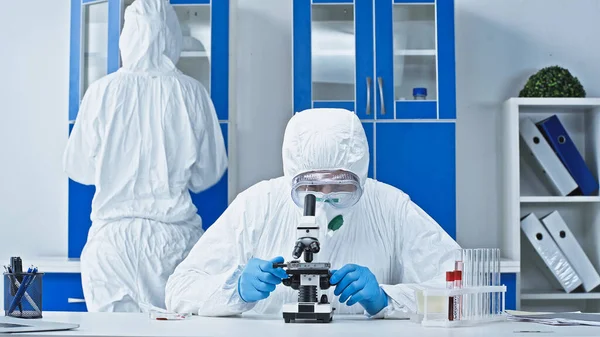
144 136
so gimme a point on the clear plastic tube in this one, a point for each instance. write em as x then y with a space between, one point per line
488 281
469 281
494 275
498 308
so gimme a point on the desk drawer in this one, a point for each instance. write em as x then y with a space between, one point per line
62 292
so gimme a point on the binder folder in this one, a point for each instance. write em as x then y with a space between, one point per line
554 170
565 240
567 152
548 250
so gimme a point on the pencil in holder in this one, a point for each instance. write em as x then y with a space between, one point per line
23 295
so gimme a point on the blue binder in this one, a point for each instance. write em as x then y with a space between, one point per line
561 143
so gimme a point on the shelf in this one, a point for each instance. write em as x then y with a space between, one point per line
415 52
186 54
566 102
558 295
51 264
352 52
553 199
509 266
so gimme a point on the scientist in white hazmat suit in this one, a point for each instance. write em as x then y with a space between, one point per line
145 135
381 244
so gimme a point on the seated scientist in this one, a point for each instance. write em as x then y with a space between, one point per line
385 246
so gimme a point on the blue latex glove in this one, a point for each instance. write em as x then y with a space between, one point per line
357 284
259 279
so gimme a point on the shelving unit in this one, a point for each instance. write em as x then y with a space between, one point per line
553 199
523 191
558 295
415 52
191 54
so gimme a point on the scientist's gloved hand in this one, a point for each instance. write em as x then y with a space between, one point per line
259 279
357 284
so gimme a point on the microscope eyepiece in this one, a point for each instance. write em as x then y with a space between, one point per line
310 203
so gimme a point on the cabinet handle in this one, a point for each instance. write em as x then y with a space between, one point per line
382 101
75 300
368 95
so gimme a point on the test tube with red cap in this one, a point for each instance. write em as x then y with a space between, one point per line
457 299
450 285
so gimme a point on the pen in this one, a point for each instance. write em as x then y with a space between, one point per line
29 299
27 280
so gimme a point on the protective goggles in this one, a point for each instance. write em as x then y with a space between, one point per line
340 189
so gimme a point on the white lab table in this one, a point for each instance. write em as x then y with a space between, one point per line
139 325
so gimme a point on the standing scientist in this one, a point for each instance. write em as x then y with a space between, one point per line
145 135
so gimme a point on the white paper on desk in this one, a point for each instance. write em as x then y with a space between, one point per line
562 318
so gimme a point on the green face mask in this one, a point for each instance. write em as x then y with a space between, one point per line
336 223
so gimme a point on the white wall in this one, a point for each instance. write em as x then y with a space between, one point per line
263 73
499 43
34 68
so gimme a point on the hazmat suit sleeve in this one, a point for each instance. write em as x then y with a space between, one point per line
211 158
205 283
425 251
79 158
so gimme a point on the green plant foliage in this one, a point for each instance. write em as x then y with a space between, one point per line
552 81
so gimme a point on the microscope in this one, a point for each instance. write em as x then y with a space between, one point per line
308 277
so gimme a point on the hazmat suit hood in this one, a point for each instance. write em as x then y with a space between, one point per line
325 139
151 39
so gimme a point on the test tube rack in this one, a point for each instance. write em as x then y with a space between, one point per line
475 306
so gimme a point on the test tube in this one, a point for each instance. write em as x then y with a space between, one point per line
459 282
488 275
493 297
475 282
483 271
498 282
484 277
466 283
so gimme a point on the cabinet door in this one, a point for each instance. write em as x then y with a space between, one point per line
415 55
333 55
89 61
419 159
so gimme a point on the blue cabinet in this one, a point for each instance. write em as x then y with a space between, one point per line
95 30
371 57
62 292
419 158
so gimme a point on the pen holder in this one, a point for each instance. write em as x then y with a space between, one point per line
23 295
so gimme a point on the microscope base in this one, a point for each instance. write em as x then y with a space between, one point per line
313 312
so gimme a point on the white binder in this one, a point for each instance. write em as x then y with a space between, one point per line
554 170
552 256
574 253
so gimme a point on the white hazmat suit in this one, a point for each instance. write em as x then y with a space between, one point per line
145 135
385 231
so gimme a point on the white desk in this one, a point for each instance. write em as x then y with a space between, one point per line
138 325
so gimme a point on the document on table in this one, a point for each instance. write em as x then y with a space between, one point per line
558 318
